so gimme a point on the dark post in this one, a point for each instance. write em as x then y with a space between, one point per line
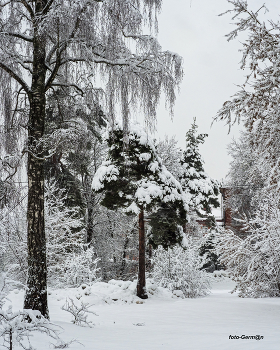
141 284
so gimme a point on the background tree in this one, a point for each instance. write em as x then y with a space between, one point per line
74 132
133 178
256 104
170 154
46 45
253 260
202 189
246 178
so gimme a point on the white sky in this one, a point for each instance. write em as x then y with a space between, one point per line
193 29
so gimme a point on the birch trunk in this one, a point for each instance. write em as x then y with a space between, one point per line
36 294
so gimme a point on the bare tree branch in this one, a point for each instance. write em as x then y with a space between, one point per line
68 85
16 77
28 8
20 36
47 7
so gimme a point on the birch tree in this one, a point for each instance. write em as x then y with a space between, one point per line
256 104
61 44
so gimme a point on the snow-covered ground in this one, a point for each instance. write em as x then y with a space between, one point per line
163 321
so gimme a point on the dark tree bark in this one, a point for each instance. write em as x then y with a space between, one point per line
89 237
123 265
36 294
141 283
90 203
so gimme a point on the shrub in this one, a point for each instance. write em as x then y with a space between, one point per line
179 268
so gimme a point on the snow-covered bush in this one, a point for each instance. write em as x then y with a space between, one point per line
70 262
16 327
80 268
179 268
254 261
13 249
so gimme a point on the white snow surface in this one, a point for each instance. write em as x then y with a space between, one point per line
163 321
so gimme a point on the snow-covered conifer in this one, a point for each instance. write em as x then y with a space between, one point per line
69 46
133 178
202 189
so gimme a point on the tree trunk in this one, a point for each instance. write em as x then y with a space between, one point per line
90 221
11 339
90 227
89 197
36 294
141 284
123 265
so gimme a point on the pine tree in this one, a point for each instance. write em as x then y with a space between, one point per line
202 189
133 178
46 45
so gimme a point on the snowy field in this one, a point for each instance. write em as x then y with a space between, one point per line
164 321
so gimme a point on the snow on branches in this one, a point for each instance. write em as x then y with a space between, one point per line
134 179
16 328
257 102
141 178
103 38
69 261
79 313
179 269
201 188
254 261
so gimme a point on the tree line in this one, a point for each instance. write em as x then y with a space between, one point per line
52 53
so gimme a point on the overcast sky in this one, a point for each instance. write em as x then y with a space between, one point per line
193 29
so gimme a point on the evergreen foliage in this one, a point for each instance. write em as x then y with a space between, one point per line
194 180
166 226
133 177
207 249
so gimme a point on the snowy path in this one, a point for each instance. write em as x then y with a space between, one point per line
167 324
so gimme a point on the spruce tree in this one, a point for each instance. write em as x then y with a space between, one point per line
134 179
202 189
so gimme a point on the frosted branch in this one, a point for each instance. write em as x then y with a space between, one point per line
16 77
20 36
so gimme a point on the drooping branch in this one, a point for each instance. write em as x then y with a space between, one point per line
67 85
28 8
20 36
16 77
